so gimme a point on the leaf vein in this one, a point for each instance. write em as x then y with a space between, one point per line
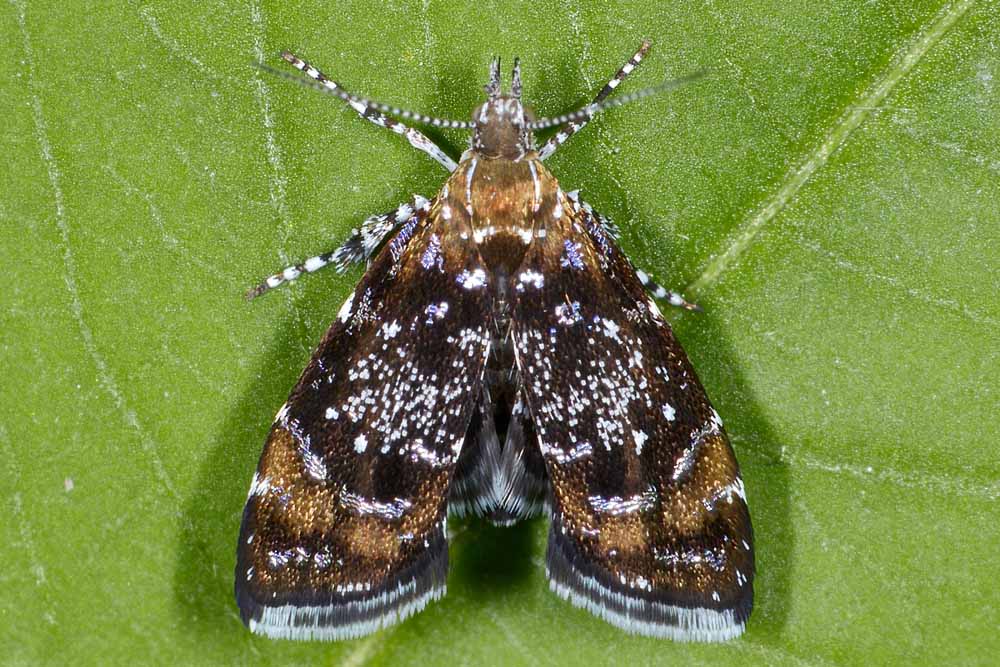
104 375
277 182
172 45
852 118
950 305
926 481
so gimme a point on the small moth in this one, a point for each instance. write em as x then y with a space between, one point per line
500 356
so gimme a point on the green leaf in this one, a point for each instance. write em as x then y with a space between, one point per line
829 194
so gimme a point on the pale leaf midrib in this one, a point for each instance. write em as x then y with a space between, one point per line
856 112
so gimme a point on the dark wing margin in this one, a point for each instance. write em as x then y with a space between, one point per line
650 528
344 528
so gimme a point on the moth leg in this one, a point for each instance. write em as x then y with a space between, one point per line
655 289
572 128
364 242
417 139
658 291
360 246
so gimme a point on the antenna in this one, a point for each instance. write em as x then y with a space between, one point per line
589 111
363 102
493 89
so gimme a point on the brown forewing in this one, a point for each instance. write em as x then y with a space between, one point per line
650 528
343 528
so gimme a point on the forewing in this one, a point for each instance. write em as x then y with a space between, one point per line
650 528
343 531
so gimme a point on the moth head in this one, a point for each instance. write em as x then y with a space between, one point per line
501 123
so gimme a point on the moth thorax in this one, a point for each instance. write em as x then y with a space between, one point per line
502 129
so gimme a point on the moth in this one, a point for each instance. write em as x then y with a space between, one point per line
501 356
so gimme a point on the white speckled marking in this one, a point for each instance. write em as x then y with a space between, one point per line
344 313
472 279
640 439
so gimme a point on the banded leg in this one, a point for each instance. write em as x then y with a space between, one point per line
572 128
417 139
360 246
656 290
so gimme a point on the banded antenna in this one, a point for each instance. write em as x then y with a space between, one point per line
361 103
584 113
590 110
